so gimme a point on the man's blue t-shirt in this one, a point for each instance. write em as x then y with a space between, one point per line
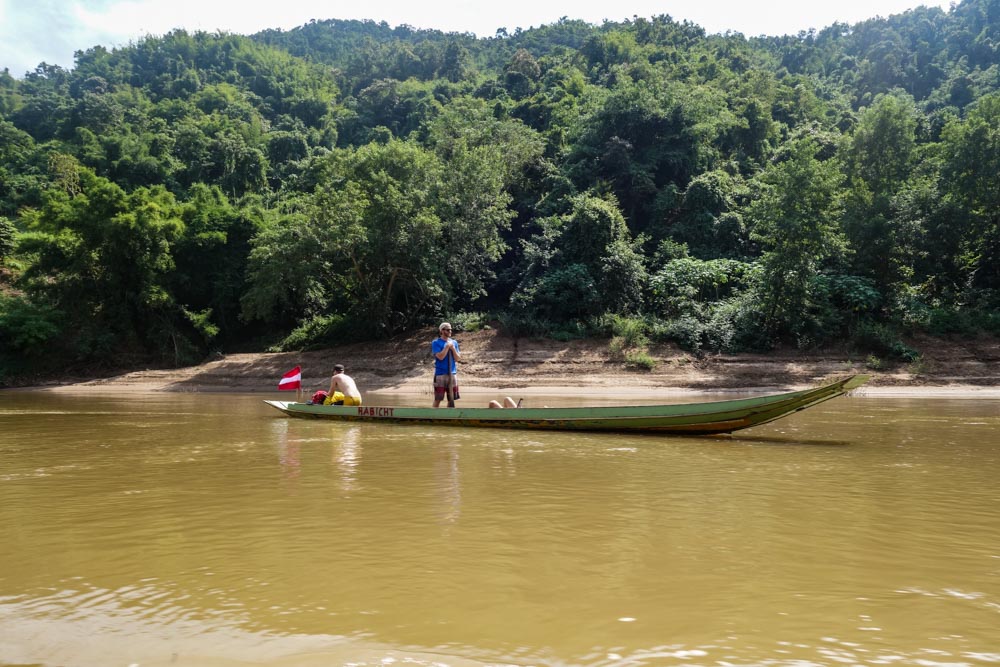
447 365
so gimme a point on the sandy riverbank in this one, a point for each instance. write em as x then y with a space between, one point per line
495 364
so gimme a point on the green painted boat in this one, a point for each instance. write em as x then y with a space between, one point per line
681 419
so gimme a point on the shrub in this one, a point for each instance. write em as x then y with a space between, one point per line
565 331
912 309
317 331
881 339
726 325
27 327
873 336
945 321
96 344
201 322
632 330
687 331
560 294
990 322
920 366
640 359
522 325
470 321
720 330
616 348
901 350
685 285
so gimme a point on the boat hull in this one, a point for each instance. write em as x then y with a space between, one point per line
678 419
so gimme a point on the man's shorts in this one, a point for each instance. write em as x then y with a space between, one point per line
338 398
441 383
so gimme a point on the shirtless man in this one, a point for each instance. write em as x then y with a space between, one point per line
343 390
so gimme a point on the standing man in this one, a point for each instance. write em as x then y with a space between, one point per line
343 389
445 351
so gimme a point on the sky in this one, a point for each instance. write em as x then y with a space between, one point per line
33 31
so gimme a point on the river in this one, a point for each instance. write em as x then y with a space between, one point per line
209 530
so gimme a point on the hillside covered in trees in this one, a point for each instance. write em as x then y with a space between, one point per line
346 181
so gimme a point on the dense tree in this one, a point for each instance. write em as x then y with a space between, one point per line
879 159
7 237
971 164
389 236
708 218
20 173
795 218
210 256
582 263
208 189
103 259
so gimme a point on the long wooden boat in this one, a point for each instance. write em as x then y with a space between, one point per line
682 418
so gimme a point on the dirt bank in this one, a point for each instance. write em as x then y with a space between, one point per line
494 363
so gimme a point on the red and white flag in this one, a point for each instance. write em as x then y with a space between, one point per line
291 380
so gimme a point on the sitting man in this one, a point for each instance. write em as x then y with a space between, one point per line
343 390
508 402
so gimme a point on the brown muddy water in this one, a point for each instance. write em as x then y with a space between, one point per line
209 530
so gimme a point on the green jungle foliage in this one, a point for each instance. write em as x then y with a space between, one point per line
643 180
